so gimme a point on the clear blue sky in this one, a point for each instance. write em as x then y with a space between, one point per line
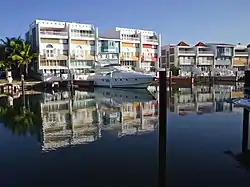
191 21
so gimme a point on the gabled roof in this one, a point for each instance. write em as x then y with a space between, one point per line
200 44
182 44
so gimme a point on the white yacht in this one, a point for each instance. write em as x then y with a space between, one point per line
116 76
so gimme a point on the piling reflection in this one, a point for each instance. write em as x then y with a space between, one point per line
243 158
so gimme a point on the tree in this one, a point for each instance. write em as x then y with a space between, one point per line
175 70
11 47
17 53
24 57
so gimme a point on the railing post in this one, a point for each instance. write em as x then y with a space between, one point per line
162 150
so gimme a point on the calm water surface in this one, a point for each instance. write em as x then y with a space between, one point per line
109 137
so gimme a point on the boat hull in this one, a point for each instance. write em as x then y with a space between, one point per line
139 83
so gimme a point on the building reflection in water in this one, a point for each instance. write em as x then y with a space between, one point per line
81 119
204 99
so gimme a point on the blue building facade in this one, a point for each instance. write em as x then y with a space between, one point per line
108 50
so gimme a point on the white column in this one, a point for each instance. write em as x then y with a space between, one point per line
157 64
69 45
140 51
96 44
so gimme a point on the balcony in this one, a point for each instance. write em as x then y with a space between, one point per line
240 62
81 63
135 58
205 53
53 34
205 62
82 36
241 53
186 62
58 57
222 62
131 39
186 52
155 41
53 63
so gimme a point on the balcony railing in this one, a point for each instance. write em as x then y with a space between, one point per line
130 38
205 52
59 57
187 52
79 64
53 63
54 33
241 53
82 35
151 40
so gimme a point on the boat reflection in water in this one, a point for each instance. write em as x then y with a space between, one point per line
79 119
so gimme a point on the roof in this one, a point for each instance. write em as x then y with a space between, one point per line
182 44
200 44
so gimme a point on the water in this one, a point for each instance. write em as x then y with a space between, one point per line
59 140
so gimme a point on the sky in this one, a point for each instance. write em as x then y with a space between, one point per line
177 20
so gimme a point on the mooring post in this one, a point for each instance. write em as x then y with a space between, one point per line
170 80
245 131
23 95
22 83
162 148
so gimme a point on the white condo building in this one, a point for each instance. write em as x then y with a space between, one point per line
62 47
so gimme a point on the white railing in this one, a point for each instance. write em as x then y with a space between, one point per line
241 53
151 40
187 52
55 33
82 35
130 38
53 63
205 52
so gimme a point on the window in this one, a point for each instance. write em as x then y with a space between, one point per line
49 51
154 47
65 52
171 51
137 45
78 52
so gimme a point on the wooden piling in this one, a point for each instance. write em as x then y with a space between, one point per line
162 148
245 132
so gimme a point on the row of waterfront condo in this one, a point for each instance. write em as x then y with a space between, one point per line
223 59
67 48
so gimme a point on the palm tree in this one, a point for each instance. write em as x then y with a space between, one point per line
24 57
11 47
